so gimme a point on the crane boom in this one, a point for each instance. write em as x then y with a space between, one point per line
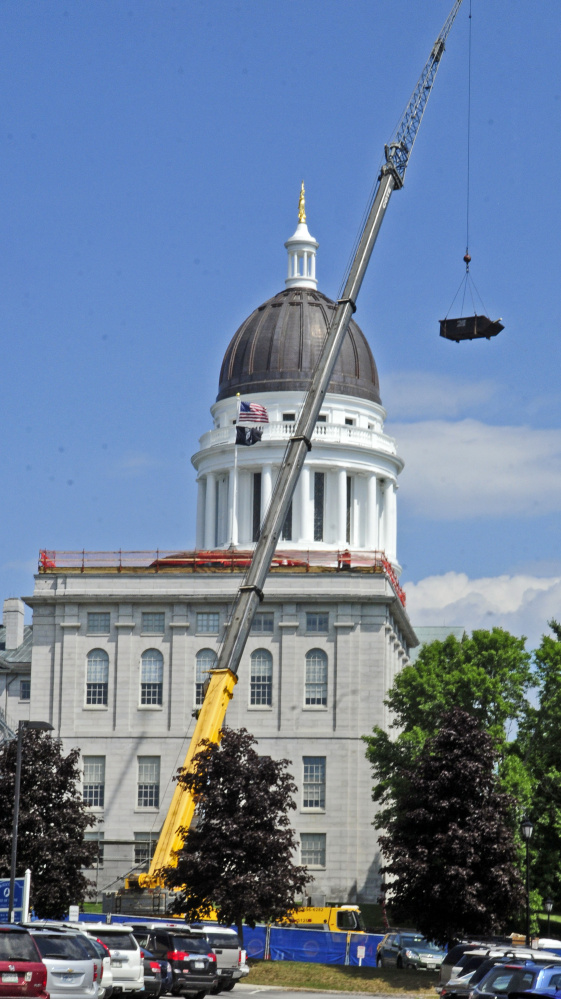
250 593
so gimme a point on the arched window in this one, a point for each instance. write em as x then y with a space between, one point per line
261 678
205 661
151 677
315 692
97 677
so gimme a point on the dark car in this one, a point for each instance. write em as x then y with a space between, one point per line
152 976
518 977
22 972
193 964
408 950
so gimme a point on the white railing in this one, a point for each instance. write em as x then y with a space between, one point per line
330 433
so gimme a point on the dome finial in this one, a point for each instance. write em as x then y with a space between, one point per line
302 205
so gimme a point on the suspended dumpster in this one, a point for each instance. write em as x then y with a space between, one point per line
470 328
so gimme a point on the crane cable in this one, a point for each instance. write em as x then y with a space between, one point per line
467 282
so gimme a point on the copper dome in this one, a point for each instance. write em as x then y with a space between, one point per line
277 347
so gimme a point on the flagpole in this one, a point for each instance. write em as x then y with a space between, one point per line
234 532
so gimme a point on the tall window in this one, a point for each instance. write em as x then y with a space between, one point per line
349 507
153 623
25 690
316 678
97 676
313 795
256 525
286 533
151 677
144 846
261 681
94 781
98 624
204 662
97 838
319 491
312 847
148 782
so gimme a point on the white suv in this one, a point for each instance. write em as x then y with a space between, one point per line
127 964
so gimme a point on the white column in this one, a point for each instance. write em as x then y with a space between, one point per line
306 519
266 488
201 484
342 508
233 505
391 521
210 511
372 514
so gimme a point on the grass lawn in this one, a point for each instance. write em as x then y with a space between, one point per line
376 981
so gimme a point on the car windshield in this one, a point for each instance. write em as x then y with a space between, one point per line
504 979
223 940
17 947
416 942
195 945
63 946
117 941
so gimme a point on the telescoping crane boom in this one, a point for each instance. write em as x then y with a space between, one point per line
223 677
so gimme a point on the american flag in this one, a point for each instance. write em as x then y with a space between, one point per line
252 412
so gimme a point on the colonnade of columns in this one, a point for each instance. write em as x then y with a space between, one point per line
359 509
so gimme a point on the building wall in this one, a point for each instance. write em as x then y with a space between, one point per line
366 642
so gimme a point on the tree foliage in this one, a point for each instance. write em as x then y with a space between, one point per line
52 823
237 855
449 846
486 675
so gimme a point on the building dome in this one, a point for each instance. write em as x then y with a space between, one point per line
276 350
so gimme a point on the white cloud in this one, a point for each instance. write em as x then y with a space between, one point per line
522 604
134 463
418 394
464 469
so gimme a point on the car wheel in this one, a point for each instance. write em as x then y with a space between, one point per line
379 962
229 987
399 963
216 989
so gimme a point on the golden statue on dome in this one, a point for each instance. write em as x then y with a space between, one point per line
302 205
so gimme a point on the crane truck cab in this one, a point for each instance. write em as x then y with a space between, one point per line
335 918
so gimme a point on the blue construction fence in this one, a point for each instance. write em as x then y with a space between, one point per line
277 943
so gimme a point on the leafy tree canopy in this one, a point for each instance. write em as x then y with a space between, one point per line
52 823
449 848
237 854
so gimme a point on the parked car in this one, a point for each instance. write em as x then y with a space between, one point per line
127 965
517 977
94 949
152 976
453 958
465 982
193 963
72 973
225 944
408 950
22 972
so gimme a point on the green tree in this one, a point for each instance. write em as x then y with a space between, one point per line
237 854
52 823
487 675
449 847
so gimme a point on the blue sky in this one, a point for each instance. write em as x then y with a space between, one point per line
152 154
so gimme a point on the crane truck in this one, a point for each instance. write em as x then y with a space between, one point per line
223 677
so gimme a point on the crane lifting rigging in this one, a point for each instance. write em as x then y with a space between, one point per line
224 676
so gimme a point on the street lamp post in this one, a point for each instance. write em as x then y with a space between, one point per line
526 830
39 726
548 906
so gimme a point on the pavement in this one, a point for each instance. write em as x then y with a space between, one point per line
286 993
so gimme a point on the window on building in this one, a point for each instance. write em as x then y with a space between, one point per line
153 624
148 782
288 417
261 678
99 624
205 660
316 678
317 624
286 533
256 512
94 781
349 508
97 838
25 690
322 418
319 495
208 623
144 846
312 848
151 677
263 623
97 676
313 793
350 421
